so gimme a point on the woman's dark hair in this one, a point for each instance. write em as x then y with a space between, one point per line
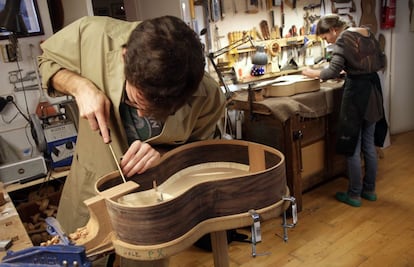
328 22
165 61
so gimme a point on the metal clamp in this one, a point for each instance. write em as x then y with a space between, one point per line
256 233
285 224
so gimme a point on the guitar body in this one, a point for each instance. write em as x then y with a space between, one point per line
202 187
290 85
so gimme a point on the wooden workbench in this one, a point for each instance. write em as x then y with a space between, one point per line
11 226
303 127
11 222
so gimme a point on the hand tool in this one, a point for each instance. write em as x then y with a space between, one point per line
215 10
116 162
194 24
115 158
282 19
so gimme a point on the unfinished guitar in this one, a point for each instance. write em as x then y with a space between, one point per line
198 188
289 85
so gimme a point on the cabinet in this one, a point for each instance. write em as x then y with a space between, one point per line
306 139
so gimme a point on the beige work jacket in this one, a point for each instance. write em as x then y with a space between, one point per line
91 47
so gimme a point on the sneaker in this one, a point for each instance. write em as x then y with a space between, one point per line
345 198
371 196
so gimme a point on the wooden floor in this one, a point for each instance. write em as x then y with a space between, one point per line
330 233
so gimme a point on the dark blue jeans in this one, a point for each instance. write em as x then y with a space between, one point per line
357 182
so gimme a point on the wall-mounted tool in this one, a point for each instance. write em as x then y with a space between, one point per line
215 10
368 17
252 6
17 79
291 3
343 6
274 30
282 19
264 28
234 6
194 24
222 12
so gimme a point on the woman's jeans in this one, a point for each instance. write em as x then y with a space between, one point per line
357 182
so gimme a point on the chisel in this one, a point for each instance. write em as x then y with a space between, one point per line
116 162
115 158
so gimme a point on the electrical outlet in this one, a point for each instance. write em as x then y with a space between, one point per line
9 98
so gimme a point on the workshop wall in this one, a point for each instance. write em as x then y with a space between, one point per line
13 127
397 78
400 93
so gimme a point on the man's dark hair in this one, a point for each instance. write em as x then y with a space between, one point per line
165 61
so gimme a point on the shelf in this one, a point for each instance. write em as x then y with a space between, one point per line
281 42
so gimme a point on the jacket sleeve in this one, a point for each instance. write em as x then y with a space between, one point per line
60 51
212 111
337 63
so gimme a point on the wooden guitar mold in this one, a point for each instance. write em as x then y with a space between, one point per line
368 17
202 187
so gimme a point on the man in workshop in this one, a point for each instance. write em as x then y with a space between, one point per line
139 86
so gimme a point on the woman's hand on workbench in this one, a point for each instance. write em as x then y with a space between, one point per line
139 157
311 73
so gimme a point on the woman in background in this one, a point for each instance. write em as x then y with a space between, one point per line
362 124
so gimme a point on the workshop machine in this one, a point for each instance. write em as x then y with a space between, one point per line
55 135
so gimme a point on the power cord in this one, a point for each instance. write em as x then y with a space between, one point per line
10 99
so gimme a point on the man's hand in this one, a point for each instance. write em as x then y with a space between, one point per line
93 104
139 158
95 107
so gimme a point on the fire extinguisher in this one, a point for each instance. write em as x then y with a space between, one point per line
388 14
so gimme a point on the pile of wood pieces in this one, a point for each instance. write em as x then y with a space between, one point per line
40 204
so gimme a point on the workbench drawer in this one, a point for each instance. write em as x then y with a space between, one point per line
311 130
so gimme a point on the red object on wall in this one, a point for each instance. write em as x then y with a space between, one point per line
388 14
